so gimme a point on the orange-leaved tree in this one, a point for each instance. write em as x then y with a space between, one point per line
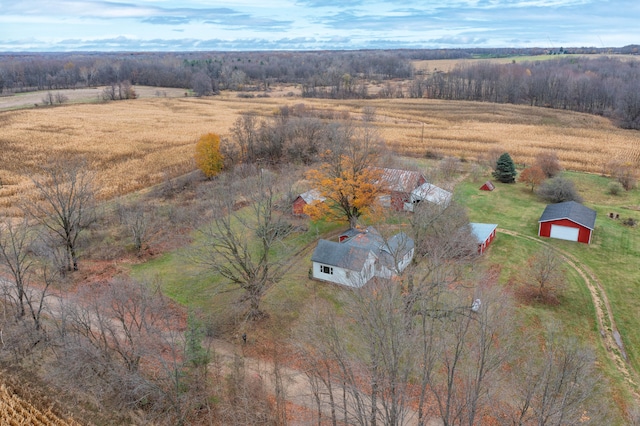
208 157
532 176
349 192
347 178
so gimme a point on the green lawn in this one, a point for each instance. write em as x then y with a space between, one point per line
613 256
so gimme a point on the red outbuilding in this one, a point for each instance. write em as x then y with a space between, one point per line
488 186
306 198
567 221
484 234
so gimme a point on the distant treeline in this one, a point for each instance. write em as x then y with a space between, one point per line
226 70
607 86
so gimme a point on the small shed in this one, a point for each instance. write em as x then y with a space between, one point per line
488 186
304 199
567 221
484 233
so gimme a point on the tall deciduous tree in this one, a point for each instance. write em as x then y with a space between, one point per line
240 243
347 179
505 170
64 207
208 157
19 260
15 242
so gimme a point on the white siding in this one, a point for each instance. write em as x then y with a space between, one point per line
344 276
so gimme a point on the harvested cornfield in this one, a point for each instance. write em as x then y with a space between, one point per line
15 411
137 143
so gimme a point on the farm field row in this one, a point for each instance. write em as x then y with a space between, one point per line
16 411
137 143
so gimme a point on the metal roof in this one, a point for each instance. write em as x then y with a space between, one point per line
401 180
572 211
482 231
311 196
431 193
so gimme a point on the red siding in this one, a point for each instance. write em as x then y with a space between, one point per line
584 235
483 246
298 206
397 200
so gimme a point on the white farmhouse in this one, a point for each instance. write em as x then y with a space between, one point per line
361 255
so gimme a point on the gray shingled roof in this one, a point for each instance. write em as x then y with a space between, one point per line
342 255
352 253
571 210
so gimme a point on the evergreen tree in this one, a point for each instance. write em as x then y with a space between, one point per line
505 170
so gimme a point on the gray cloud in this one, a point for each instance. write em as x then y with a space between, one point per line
167 20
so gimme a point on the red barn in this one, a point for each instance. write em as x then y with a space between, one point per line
304 199
567 221
399 184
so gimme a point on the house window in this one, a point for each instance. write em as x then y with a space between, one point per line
326 269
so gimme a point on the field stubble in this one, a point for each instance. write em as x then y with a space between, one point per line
137 143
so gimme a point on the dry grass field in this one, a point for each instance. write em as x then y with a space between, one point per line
445 65
134 144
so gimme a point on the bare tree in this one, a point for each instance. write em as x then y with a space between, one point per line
549 163
64 207
442 231
61 98
18 259
139 223
554 387
119 342
558 189
240 244
15 246
245 132
545 272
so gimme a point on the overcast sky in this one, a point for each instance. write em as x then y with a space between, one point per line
174 25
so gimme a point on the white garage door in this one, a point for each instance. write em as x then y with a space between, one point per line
564 232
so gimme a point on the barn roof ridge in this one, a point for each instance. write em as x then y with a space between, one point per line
572 211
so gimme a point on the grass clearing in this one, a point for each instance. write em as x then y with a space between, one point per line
613 254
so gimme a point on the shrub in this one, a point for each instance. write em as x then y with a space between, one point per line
558 189
615 188
549 163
